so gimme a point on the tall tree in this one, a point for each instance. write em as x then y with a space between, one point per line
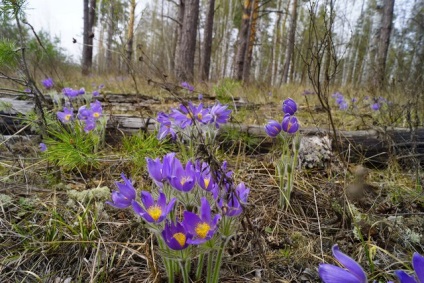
207 49
186 48
383 43
252 38
290 42
243 40
130 35
88 35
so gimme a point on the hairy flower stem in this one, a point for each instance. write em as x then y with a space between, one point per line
184 267
199 268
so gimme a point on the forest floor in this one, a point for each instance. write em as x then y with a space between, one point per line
49 233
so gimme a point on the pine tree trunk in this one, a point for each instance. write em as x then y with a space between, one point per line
186 49
130 35
243 40
290 42
383 43
252 39
207 49
88 35
110 33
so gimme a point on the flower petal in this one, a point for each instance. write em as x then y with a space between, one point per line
147 199
404 278
205 210
350 264
418 264
333 274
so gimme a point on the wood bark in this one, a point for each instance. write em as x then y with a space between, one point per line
110 34
130 35
383 43
290 42
186 48
243 40
89 7
207 48
252 38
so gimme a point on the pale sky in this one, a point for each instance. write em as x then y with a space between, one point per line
64 19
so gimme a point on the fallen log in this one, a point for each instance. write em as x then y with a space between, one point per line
374 146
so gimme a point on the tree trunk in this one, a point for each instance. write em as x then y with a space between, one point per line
252 38
110 33
186 48
383 43
88 35
130 36
207 49
290 42
243 40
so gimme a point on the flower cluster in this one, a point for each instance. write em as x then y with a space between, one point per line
87 116
340 101
73 93
187 86
353 272
187 115
290 123
171 174
96 92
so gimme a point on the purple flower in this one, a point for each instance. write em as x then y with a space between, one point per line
96 109
199 113
153 211
233 206
48 83
200 96
187 86
27 90
70 93
203 227
183 117
175 235
273 128
204 176
418 265
220 114
66 116
166 126
375 106
96 93
43 147
289 106
101 86
90 124
343 105
290 124
353 272
160 172
126 194
84 113
81 91
183 179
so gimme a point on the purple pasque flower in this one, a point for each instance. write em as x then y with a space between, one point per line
290 124
289 106
199 113
343 105
183 179
166 127
153 211
183 116
233 206
418 265
160 172
42 147
220 114
125 194
90 124
375 106
81 91
96 109
27 90
70 93
204 176
84 113
96 93
351 273
66 116
203 227
48 83
273 128
175 235
187 86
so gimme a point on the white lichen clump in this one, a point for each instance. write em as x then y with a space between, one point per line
315 152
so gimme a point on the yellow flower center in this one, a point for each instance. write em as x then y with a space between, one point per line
183 180
180 238
68 117
155 212
202 230
96 114
189 115
199 116
207 181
